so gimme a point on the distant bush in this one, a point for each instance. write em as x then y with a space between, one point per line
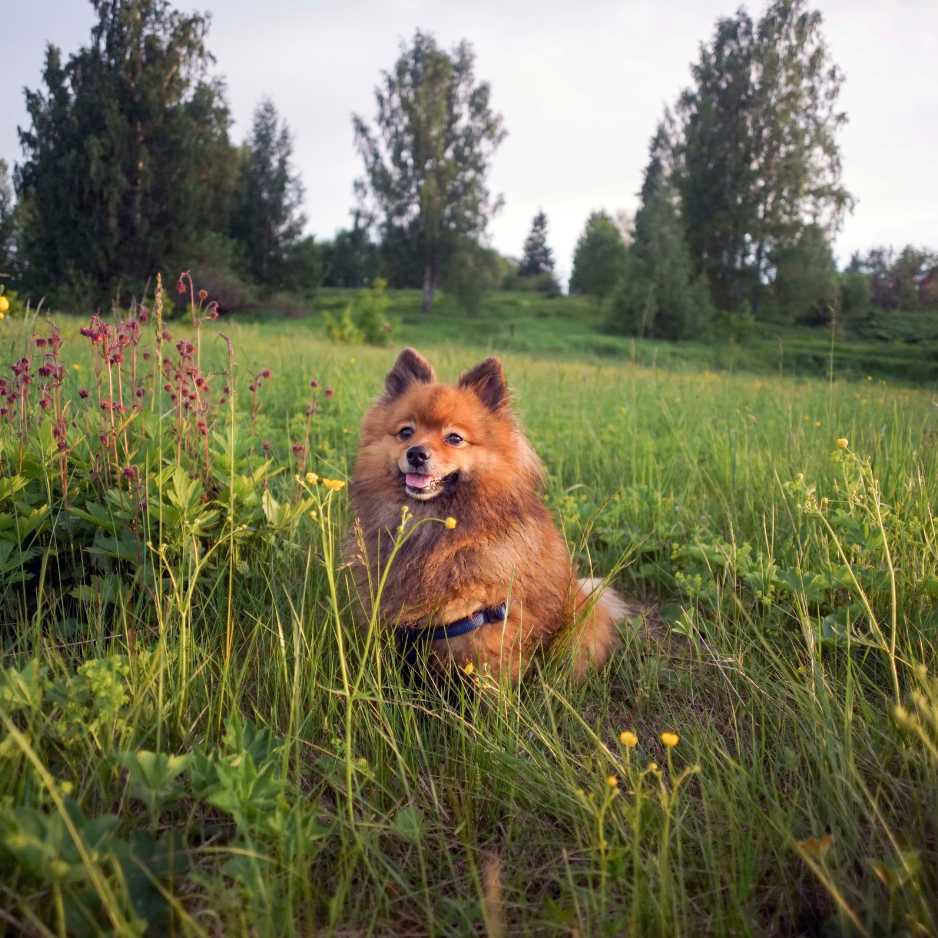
215 265
11 304
342 328
737 326
659 299
544 283
364 319
806 288
856 294
471 273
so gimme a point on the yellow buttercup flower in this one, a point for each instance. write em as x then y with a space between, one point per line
311 478
450 523
628 739
612 781
4 305
334 485
816 846
842 443
468 667
670 739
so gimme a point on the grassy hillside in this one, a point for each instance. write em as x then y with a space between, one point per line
900 346
193 736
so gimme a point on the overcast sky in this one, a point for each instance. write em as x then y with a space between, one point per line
580 85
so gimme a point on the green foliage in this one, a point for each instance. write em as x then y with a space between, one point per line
364 319
7 221
599 258
342 329
371 313
472 272
907 280
738 326
127 158
659 296
268 221
350 259
152 777
537 259
194 735
755 151
427 157
856 294
805 288
546 284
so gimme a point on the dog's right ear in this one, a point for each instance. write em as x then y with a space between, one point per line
410 367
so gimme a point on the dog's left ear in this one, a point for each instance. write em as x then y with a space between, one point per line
487 380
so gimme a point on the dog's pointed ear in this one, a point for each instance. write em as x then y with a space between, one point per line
409 368
487 380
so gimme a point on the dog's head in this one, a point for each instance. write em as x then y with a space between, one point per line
424 440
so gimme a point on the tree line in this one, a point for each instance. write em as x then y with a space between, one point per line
129 166
742 195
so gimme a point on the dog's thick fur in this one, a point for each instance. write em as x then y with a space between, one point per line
505 545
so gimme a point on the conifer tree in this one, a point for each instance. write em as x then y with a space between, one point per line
538 257
268 222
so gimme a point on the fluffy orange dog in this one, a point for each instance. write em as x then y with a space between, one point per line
501 585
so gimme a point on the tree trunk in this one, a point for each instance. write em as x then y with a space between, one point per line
427 305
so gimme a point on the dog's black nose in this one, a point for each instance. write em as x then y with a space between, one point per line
417 456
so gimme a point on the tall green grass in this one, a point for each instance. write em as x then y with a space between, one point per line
321 787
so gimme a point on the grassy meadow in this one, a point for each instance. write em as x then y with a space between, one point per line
193 741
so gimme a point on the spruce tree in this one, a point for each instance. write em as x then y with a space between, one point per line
268 222
538 258
126 153
7 229
660 296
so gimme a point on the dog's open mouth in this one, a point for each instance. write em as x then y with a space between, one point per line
424 486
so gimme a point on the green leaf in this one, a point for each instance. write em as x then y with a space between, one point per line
408 824
24 689
152 776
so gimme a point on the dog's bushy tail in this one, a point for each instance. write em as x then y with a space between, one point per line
600 609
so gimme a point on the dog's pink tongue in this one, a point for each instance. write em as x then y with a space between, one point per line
417 481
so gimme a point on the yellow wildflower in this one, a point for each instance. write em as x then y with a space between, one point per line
817 423
311 478
612 781
628 739
451 523
670 739
468 667
334 485
4 305
842 442
816 846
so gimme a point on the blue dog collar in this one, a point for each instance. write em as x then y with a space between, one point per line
409 637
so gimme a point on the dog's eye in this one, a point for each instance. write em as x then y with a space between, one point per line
454 439
405 433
